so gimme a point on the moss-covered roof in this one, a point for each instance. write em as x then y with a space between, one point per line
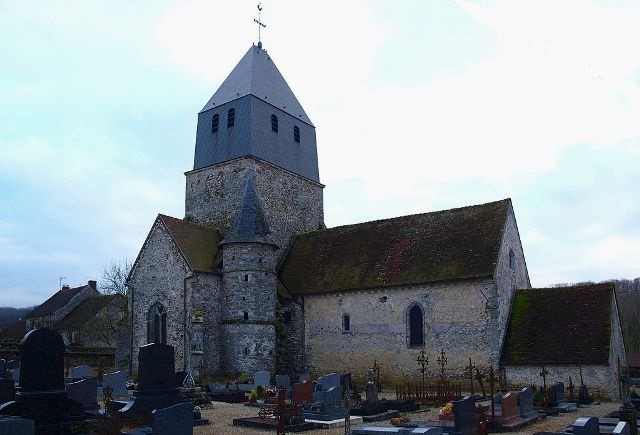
198 244
461 243
85 312
559 325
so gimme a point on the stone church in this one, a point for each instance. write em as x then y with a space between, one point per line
251 279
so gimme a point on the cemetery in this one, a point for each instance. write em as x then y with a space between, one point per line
38 396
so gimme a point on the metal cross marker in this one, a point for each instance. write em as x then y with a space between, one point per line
423 361
376 370
442 360
260 24
544 372
471 367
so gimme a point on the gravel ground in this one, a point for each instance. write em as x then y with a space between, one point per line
222 414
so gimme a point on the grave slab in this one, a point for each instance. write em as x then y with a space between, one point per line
328 424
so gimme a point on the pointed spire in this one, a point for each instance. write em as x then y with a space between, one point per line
250 224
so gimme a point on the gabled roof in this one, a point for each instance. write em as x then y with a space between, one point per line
461 243
198 244
257 75
250 224
55 302
85 312
559 325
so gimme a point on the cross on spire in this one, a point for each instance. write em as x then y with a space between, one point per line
260 24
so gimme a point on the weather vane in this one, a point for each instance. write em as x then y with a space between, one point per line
260 24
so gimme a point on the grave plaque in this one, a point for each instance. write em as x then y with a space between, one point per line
509 406
83 371
586 426
557 390
262 378
464 415
303 392
283 381
174 420
85 392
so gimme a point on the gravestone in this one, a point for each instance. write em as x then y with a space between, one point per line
7 390
174 420
284 381
42 396
303 392
525 402
262 378
464 415
16 425
83 371
371 390
586 426
509 406
328 381
117 381
327 399
84 391
156 382
557 391
622 428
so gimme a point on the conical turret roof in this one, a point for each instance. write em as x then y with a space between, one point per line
257 75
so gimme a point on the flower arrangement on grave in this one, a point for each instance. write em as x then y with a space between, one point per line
446 409
272 391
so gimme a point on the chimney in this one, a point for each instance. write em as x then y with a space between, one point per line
93 284
65 286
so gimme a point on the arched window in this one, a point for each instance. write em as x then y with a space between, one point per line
215 123
274 123
296 134
512 259
157 324
415 325
231 117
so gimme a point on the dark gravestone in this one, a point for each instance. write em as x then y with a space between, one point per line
622 428
42 397
156 382
284 381
557 393
464 415
586 426
7 390
12 364
85 392
525 402
80 372
174 420
117 381
327 400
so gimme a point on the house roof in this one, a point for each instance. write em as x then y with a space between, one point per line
198 244
55 302
461 243
559 325
85 312
250 224
257 75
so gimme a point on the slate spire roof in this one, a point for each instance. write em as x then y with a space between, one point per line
257 75
250 224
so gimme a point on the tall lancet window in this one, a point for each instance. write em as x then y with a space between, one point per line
274 123
157 324
215 123
296 134
231 117
415 325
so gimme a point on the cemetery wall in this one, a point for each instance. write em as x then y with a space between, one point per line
598 378
158 277
292 204
457 319
510 274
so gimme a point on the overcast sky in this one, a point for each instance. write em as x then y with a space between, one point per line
418 105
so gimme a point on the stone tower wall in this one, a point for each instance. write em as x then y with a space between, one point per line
292 204
248 286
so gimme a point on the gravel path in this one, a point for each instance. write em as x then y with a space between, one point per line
222 414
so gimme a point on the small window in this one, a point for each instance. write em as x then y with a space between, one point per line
274 123
286 317
246 278
346 323
296 134
215 123
246 315
512 259
231 117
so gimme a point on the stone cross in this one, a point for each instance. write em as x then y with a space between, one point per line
471 367
423 361
442 361
544 372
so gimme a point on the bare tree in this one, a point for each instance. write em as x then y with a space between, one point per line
114 277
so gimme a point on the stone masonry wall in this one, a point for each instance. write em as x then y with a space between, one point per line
158 276
597 378
457 319
509 276
249 298
292 204
617 352
291 343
